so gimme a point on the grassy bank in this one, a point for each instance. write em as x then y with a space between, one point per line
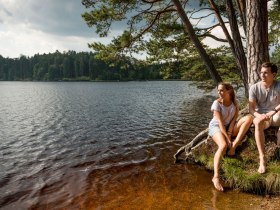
240 171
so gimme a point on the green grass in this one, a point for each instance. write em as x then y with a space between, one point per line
241 172
243 175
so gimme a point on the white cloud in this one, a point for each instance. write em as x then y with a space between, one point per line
21 39
31 26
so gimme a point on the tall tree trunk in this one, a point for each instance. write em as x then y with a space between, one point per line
235 43
242 12
257 37
238 47
189 29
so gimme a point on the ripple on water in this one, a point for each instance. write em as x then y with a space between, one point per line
102 146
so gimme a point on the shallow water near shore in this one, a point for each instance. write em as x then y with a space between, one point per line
86 145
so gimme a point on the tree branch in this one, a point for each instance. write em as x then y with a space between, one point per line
209 28
157 16
151 1
213 37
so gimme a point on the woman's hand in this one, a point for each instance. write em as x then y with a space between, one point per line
229 136
229 142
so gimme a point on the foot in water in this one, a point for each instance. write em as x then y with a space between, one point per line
217 184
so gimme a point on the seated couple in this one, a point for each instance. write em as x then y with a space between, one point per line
264 104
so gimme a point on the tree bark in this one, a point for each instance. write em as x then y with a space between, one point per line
235 42
189 29
242 12
257 37
238 46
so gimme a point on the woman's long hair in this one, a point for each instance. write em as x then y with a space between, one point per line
231 91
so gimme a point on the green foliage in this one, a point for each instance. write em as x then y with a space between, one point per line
192 67
275 58
83 78
105 66
72 66
195 70
153 27
274 19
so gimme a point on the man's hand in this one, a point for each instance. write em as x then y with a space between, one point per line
270 114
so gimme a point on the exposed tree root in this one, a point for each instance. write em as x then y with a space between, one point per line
201 138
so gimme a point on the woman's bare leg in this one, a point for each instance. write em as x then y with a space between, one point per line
220 140
240 129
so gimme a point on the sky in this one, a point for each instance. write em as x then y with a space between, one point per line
28 27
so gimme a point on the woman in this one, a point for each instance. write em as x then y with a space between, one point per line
223 127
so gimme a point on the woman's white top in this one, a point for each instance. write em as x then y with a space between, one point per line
227 113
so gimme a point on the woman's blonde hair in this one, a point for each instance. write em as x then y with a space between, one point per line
231 91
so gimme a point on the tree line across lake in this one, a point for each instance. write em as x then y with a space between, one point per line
71 65
86 66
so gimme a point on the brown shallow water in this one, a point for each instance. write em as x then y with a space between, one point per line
164 185
160 184
107 146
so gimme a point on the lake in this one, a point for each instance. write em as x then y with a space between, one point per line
105 145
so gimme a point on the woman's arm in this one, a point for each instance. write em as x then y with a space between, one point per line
232 123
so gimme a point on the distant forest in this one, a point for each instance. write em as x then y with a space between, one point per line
87 66
72 66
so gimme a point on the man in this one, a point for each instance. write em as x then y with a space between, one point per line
264 100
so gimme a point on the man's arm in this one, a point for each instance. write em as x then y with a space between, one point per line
252 111
252 108
273 112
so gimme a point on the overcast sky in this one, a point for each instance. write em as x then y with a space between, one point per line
28 27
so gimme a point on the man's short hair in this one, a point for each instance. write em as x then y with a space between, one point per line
272 66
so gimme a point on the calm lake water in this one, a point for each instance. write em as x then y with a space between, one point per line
84 145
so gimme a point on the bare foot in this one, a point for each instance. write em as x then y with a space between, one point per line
217 184
262 167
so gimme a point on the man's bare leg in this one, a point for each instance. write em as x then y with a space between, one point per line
278 138
259 136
